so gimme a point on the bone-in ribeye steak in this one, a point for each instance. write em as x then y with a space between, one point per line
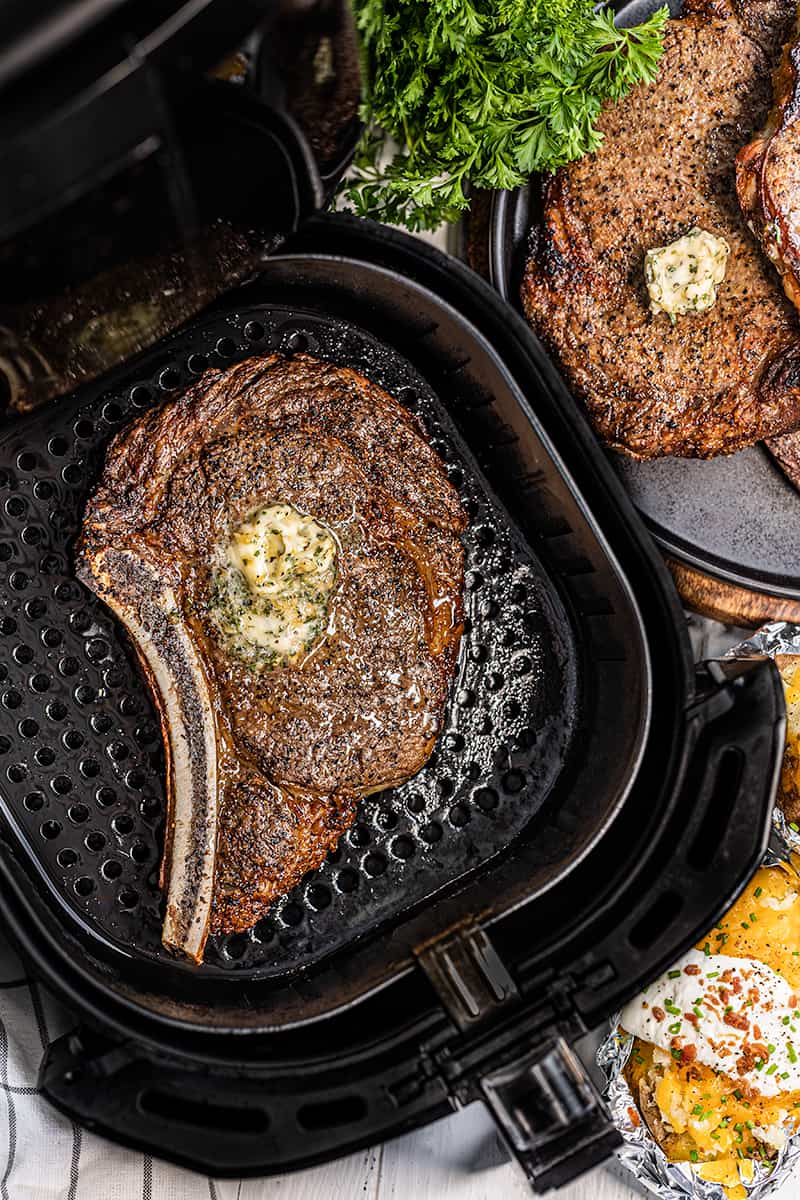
283 545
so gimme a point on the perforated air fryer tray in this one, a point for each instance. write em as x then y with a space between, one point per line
82 784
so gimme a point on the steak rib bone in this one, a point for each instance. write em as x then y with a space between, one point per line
149 610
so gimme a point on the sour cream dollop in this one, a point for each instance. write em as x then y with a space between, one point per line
739 1016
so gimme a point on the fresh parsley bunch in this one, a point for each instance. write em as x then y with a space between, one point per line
485 91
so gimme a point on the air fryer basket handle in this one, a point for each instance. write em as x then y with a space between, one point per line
550 1115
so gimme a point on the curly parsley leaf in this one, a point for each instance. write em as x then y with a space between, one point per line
485 92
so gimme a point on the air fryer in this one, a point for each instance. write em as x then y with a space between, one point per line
152 160
592 806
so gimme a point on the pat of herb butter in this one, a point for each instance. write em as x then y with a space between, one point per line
683 277
272 586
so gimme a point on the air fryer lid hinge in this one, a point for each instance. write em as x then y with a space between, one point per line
514 1055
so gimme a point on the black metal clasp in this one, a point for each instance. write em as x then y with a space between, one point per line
546 1106
550 1115
468 974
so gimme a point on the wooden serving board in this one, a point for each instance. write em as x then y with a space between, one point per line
728 603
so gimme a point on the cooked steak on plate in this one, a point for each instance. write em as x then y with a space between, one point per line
768 175
768 184
282 544
714 381
786 452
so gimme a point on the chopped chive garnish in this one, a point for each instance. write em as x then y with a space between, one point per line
772 1069
673 974
758 892
693 1155
770 1049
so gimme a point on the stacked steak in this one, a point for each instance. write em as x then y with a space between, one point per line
711 383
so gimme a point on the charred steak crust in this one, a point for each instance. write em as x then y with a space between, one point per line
297 745
768 175
714 382
786 452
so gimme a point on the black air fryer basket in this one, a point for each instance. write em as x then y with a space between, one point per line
592 806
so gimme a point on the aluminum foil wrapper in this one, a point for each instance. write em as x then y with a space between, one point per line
646 1161
640 1154
779 637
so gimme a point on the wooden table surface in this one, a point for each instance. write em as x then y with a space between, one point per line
458 1158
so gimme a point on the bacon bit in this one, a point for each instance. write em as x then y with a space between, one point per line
759 1050
757 1032
724 995
688 1053
793 1001
658 1013
745 1062
737 986
635 1119
694 1072
691 969
753 995
691 1018
737 1020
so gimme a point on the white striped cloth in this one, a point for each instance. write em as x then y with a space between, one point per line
43 1155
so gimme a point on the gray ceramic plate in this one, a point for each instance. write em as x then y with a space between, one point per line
737 517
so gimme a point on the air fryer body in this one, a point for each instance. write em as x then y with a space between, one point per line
148 169
594 803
